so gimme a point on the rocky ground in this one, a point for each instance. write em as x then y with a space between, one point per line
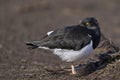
27 20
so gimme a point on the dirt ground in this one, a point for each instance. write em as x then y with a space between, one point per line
27 20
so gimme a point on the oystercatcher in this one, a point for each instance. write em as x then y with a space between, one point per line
71 43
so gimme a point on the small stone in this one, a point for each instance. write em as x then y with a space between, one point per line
22 67
1 46
23 61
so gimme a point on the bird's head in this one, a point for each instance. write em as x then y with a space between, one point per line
90 23
93 29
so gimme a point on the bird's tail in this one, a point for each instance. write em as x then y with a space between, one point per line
32 45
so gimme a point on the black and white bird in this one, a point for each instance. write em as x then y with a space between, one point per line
71 43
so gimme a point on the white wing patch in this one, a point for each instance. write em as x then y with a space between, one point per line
43 47
71 55
89 35
48 33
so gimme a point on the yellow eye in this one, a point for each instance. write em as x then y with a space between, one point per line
87 24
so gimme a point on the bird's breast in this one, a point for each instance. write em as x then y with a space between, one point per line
71 55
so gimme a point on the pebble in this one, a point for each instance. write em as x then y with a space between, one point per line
1 46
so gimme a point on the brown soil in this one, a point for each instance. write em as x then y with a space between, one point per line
27 20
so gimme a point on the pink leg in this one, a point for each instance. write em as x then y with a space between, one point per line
73 69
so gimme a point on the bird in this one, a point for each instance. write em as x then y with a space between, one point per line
71 43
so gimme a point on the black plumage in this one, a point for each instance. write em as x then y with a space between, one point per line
71 37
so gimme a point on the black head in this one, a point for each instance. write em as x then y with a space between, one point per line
93 29
90 23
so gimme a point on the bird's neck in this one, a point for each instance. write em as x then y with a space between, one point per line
96 37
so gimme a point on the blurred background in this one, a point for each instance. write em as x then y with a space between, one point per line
27 20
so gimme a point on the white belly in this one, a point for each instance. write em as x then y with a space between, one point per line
71 55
